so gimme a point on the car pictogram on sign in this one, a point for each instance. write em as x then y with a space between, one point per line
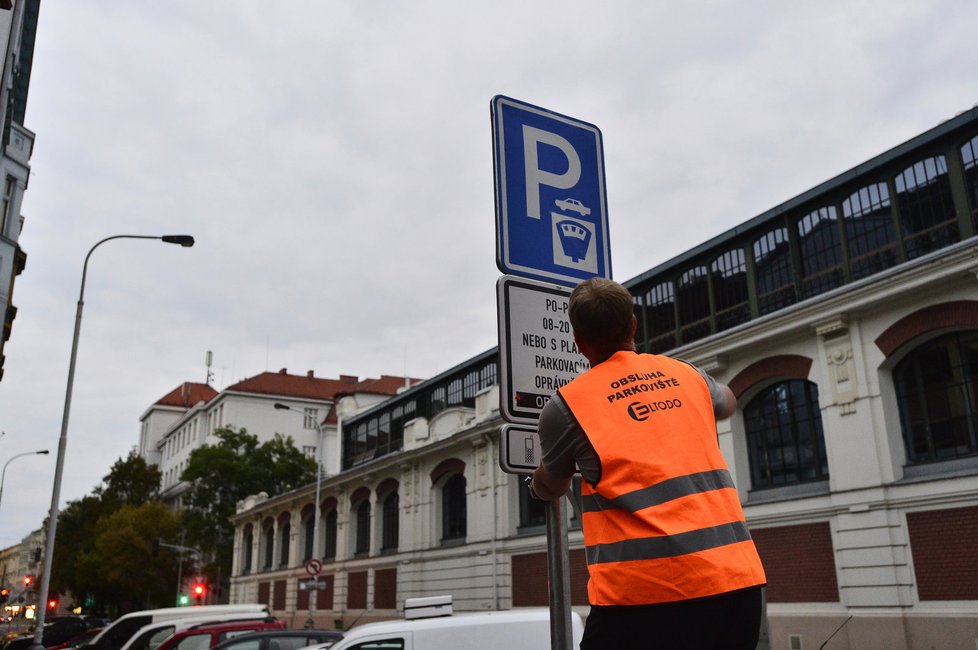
573 205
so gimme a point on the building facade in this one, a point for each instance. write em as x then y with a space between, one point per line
18 26
846 322
187 417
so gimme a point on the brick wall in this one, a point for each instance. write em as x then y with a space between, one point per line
960 313
944 545
799 563
530 579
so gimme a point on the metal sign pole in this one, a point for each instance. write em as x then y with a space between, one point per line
558 568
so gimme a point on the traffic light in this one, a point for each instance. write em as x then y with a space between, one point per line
198 591
183 600
52 604
4 595
28 581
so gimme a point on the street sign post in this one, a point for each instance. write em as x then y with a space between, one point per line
551 205
537 353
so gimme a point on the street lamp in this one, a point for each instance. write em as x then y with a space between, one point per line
315 514
3 474
42 596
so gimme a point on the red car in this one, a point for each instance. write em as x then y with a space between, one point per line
208 635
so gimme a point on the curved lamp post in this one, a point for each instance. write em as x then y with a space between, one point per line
3 474
315 514
42 596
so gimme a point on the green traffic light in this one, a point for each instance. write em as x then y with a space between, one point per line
183 599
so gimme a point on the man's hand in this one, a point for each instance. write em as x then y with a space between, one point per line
548 487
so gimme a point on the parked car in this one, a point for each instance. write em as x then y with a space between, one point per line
207 635
115 635
57 631
79 640
281 640
151 636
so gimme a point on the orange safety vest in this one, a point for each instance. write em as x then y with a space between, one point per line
664 522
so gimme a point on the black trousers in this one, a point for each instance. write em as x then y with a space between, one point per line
728 622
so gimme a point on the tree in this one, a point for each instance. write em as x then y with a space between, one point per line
76 566
221 475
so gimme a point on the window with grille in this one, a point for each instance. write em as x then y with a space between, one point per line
310 418
820 250
773 271
362 514
729 277
927 214
453 513
329 536
390 525
693 300
284 531
869 231
308 536
785 442
455 392
660 317
937 394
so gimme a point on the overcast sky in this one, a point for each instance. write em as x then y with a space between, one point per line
334 162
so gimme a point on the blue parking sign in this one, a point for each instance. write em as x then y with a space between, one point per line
551 205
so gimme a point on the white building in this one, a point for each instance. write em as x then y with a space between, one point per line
187 417
845 320
18 26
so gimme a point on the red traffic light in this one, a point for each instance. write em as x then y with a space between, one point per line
53 603
28 580
199 590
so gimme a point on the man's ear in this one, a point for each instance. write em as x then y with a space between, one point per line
634 325
581 346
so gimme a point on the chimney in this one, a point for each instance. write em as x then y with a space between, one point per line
283 371
349 379
310 375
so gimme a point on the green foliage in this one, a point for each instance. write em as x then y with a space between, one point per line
221 475
86 528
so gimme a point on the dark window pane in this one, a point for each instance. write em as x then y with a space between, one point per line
390 533
453 508
869 231
936 392
773 271
660 317
729 276
926 208
821 251
784 435
969 155
693 298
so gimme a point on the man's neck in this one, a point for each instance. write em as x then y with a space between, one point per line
604 356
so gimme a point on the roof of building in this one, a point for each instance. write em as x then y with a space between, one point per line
187 394
312 387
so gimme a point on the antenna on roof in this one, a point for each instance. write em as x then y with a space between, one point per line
208 360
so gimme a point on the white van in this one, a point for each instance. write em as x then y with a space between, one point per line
516 629
116 634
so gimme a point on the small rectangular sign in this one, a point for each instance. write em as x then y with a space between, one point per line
519 449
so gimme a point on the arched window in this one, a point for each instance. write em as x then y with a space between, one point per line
389 526
729 276
659 311
869 231
784 435
453 512
773 271
927 214
269 535
820 250
248 544
693 298
284 532
937 393
329 536
362 515
308 517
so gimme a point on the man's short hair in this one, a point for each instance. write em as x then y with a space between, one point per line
601 312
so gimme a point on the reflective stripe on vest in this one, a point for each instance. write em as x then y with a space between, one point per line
664 522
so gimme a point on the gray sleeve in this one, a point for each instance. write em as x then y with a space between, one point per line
566 448
716 395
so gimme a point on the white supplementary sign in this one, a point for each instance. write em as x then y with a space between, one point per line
537 352
519 449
